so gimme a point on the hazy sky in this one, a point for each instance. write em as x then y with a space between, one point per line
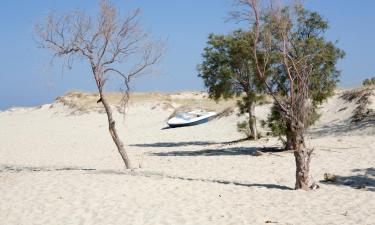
27 78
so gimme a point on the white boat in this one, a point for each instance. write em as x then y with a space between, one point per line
190 118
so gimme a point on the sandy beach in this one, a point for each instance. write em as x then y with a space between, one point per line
58 165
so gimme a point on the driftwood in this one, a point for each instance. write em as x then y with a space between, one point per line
328 177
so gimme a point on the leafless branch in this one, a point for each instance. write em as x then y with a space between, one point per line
108 42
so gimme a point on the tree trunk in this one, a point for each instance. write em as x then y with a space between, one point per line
302 157
252 120
289 141
113 131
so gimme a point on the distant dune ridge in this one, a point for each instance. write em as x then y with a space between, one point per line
79 102
58 164
356 107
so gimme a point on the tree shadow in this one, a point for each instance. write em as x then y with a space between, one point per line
230 151
14 168
154 175
341 129
188 143
364 179
137 173
175 144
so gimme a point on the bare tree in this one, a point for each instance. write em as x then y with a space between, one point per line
109 43
280 44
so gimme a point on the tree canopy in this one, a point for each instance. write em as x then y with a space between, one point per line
288 44
307 43
228 70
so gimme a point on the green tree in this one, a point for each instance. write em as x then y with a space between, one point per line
293 38
228 70
305 40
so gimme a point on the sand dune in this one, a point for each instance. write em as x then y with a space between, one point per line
59 166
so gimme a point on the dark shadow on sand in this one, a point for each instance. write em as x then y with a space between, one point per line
363 180
340 129
14 168
188 143
154 175
175 144
147 174
228 151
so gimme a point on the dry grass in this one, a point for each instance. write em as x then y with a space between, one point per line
361 96
81 102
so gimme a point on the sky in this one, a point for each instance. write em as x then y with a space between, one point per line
28 78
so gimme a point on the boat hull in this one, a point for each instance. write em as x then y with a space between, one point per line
190 118
172 125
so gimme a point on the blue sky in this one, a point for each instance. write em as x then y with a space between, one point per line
27 77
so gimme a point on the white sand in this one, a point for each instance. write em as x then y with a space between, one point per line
57 168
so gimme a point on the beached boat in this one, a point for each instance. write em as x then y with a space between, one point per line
190 118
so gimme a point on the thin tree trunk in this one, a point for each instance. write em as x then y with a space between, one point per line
113 131
252 120
302 157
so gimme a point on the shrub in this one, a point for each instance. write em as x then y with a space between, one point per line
369 82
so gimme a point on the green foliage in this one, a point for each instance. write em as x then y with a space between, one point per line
227 68
243 127
369 82
313 117
243 104
306 41
275 122
278 127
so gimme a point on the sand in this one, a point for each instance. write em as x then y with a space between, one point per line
59 167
